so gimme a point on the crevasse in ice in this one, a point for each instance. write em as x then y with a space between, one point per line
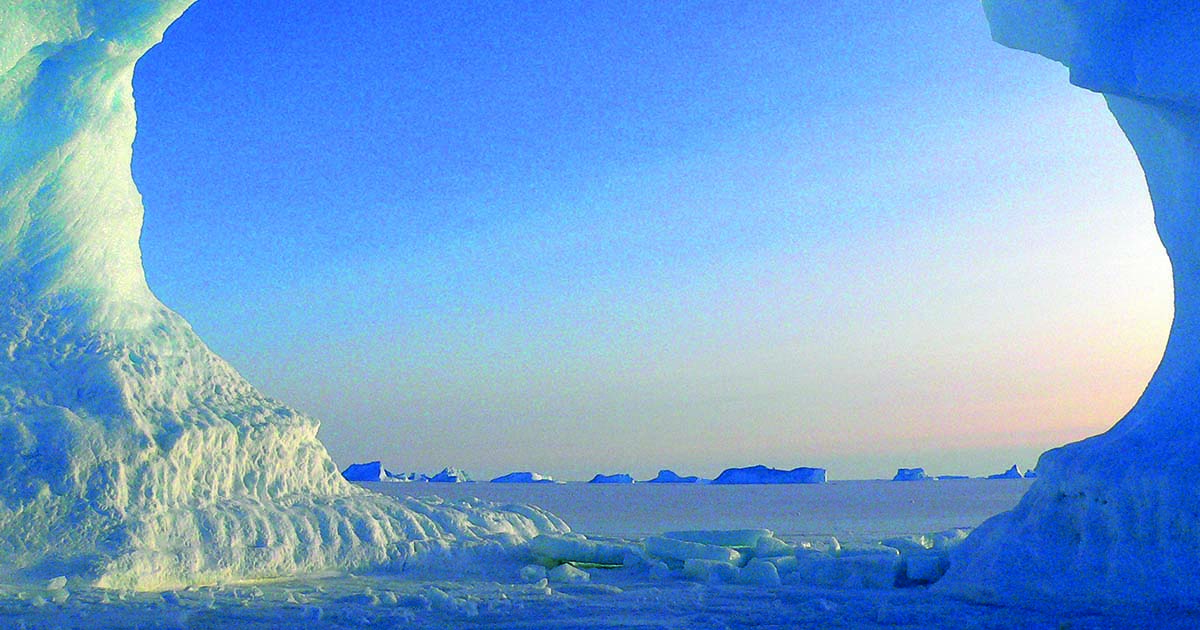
129 452
1117 516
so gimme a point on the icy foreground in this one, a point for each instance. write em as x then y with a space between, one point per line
1117 516
130 454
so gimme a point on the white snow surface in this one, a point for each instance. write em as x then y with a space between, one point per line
131 456
1116 517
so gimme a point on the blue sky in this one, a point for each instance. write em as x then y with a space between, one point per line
600 237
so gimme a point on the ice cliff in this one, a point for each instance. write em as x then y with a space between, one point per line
1117 516
129 452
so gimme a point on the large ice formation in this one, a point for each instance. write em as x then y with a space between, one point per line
762 474
130 453
1117 516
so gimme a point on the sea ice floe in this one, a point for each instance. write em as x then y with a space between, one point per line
552 550
567 574
681 550
748 538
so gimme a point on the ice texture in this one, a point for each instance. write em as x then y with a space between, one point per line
762 474
1115 517
130 454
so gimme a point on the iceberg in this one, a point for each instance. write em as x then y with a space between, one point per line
405 477
523 477
668 476
911 474
370 471
1115 517
131 455
1011 473
762 474
451 475
617 478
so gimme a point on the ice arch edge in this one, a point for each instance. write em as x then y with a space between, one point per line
1117 516
131 455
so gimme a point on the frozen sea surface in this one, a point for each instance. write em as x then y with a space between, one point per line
857 511
490 592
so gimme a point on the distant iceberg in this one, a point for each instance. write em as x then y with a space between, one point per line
762 474
405 477
370 471
668 476
911 474
451 475
617 478
523 477
1011 473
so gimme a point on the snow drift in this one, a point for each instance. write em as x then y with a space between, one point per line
1117 516
129 452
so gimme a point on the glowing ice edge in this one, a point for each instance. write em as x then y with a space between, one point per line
1117 516
130 454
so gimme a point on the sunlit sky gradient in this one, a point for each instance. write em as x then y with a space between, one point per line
618 236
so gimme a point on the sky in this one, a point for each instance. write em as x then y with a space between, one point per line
599 237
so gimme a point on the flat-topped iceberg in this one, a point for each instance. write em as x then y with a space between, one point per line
763 474
911 474
370 471
523 477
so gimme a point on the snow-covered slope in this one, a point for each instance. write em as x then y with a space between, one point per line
1117 516
129 452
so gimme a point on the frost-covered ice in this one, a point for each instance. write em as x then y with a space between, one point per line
762 474
1116 517
130 454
